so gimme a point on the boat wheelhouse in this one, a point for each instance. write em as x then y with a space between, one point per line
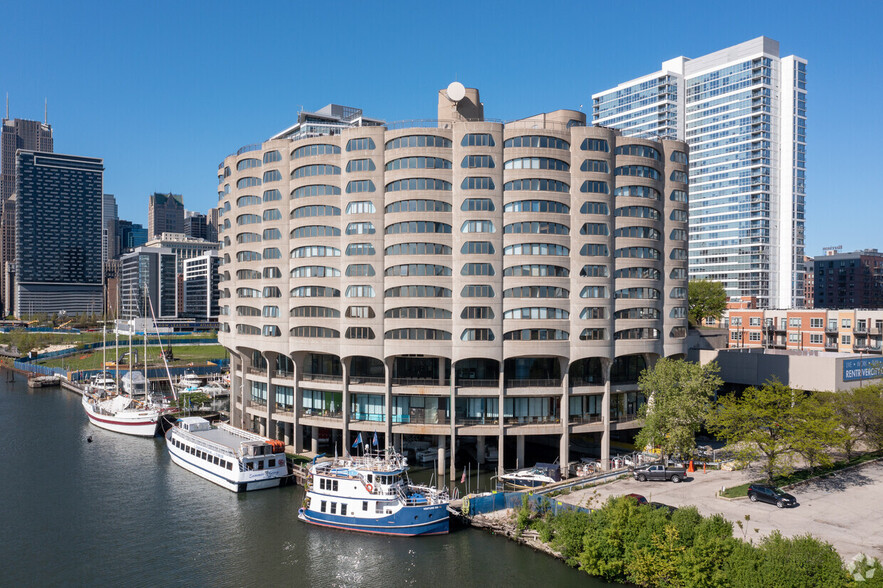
373 494
234 459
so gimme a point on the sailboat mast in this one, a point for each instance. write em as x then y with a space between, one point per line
146 396
131 326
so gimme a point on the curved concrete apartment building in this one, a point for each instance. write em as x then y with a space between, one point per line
464 279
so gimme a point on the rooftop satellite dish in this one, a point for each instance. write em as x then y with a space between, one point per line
456 91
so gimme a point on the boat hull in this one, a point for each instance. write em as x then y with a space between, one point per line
410 521
522 484
138 423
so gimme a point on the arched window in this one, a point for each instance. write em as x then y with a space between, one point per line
272 156
477 335
639 151
360 165
248 182
418 205
537 206
320 149
272 175
537 142
362 228
536 335
316 190
247 163
247 201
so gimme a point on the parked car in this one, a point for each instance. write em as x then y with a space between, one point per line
660 473
641 500
762 493
659 505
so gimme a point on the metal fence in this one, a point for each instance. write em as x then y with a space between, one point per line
483 504
38 369
112 344
200 370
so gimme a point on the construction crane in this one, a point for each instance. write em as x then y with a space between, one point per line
63 325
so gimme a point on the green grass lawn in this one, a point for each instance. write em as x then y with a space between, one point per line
184 354
801 475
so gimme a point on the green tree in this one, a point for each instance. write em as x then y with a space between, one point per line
679 397
860 416
820 431
774 423
706 299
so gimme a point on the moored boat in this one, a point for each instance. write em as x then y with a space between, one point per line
234 459
373 494
539 475
121 414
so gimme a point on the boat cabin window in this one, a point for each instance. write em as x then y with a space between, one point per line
249 465
229 465
333 508
322 508
370 478
343 509
334 485
364 505
260 464
216 460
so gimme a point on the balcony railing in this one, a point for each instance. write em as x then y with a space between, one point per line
372 380
586 382
316 412
532 420
831 328
830 345
585 419
421 382
860 329
283 374
283 410
534 383
475 422
322 377
257 371
624 417
478 383
257 401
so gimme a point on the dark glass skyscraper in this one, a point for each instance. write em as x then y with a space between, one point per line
15 134
58 234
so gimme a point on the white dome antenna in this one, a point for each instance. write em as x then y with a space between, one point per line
456 91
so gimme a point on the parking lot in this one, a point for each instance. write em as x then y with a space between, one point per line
843 510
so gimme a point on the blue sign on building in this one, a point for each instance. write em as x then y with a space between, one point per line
865 368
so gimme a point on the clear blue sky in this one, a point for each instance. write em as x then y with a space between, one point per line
164 90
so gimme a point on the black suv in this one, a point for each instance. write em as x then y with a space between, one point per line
772 495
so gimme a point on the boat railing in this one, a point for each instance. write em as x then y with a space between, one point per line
197 440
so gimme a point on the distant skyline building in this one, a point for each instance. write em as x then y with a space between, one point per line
165 214
130 235
742 110
201 293
109 219
195 225
849 280
15 134
58 264
182 246
148 274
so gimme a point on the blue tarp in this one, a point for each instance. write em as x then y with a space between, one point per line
473 505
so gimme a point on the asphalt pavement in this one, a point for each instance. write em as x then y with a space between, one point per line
843 509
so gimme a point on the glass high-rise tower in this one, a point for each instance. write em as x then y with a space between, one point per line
742 110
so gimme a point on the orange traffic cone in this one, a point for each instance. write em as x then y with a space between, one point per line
703 468
690 469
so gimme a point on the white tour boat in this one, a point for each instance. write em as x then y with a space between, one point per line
373 494
189 382
232 458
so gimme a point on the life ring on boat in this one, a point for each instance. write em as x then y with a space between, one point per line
370 488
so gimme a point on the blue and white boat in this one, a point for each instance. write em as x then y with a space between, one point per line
373 494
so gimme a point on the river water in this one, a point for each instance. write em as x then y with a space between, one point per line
117 511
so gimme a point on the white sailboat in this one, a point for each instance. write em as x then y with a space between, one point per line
121 413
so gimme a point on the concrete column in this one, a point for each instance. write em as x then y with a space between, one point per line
314 439
479 448
441 371
243 383
519 451
271 393
564 414
335 439
500 412
288 433
387 391
345 377
605 416
453 420
235 414
298 405
399 440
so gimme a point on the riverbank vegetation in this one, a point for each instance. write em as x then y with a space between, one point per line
624 542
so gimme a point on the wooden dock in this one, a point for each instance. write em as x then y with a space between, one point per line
44 381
